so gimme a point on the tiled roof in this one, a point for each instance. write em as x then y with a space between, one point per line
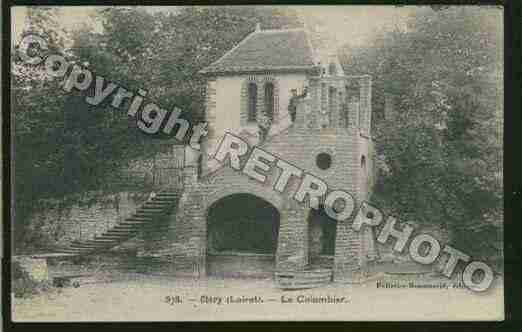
267 50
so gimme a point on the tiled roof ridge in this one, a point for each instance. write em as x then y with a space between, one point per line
217 66
227 53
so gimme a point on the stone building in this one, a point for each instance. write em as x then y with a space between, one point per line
226 223
240 226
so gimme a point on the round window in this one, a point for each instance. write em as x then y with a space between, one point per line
323 160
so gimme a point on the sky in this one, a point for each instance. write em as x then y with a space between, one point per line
346 24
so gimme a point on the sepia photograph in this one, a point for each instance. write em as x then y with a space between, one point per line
256 163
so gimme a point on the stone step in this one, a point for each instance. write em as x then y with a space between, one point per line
157 224
81 245
144 219
136 216
141 219
121 234
122 231
165 201
101 239
149 213
85 247
161 205
90 243
162 200
150 230
153 217
150 210
127 227
148 207
116 237
132 222
71 251
170 196
117 233
80 253
86 250
76 247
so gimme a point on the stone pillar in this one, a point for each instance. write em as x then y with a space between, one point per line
365 84
350 263
338 117
190 170
308 108
292 248
188 233
210 117
187 224
194 212
354 112
302 111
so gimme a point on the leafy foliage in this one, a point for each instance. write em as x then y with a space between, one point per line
23 285
443 147
64 146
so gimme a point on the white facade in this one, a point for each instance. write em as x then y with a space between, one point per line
228 99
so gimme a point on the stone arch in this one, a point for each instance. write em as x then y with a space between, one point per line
242 235
265 193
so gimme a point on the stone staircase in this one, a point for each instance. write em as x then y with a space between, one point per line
146 217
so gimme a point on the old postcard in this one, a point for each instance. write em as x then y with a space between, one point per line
260 163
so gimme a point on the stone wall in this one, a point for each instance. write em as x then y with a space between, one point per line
297 146
82 217
181 245
185 246
61 222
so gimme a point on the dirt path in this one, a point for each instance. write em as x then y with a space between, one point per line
143 298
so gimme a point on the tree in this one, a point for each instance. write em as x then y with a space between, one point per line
64 146
443 148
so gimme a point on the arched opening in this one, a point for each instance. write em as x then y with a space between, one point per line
252 102
242 232
322 232
269 100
